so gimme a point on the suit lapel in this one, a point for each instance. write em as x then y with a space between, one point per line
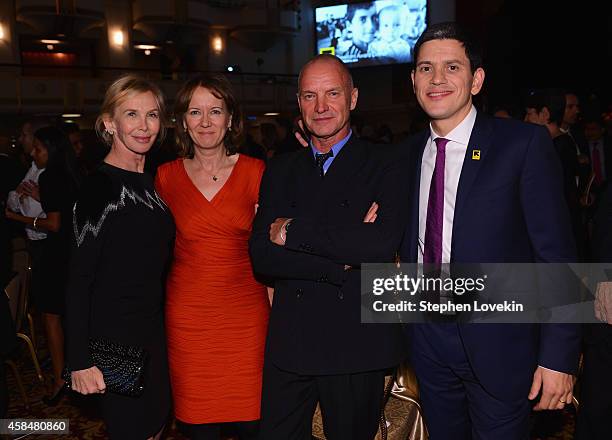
479 143
348 162
303 183
413 225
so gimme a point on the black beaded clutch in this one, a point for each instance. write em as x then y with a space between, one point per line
123 366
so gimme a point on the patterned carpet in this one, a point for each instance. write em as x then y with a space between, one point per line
85 425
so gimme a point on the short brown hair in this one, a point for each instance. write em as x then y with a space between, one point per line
122 88
221 88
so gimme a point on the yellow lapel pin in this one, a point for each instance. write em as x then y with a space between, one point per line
475 154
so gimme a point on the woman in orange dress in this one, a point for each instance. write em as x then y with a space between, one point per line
216 312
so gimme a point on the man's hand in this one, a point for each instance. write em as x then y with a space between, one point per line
89 381
371 215
278 232
603 302
556 389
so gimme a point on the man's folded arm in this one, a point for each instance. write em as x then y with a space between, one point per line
276 261
359 242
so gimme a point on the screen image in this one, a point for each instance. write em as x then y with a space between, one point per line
371 33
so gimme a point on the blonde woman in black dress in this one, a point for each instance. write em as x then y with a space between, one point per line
123 236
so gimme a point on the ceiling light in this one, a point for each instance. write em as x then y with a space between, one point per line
71 115
271 114
50 41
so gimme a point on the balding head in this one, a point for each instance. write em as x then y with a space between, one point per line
334 62
326 97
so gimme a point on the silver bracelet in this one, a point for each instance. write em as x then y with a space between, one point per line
34 222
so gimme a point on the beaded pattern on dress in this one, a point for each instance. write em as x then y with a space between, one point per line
150 200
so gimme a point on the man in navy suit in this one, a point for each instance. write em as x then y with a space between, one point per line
486 191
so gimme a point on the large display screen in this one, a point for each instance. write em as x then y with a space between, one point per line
370 33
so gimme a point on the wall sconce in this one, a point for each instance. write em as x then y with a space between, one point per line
217 44
1 32
118 38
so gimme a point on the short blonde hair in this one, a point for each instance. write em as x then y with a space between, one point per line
121 89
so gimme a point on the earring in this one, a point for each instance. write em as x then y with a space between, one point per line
111 132
229 128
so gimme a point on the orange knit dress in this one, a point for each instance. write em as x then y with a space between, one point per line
216 312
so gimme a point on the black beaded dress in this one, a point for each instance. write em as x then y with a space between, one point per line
123 237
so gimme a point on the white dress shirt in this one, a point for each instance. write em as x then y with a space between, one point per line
456 148
27 205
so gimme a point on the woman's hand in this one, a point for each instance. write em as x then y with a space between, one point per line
300 134
30 188
89 381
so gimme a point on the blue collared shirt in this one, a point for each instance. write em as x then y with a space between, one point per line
335 148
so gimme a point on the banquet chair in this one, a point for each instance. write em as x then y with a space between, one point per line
21 265
12 291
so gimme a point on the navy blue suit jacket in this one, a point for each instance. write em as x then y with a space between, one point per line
509 209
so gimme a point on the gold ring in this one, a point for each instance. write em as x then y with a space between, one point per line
562 401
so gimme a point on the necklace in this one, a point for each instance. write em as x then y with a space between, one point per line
213 175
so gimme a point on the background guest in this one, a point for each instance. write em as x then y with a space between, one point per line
56 193
546 108
593 422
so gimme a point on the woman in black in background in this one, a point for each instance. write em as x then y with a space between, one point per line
123 236
56 190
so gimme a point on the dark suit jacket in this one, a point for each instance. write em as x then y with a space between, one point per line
315 323
602 228
509 208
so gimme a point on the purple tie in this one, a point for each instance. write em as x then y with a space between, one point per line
435 208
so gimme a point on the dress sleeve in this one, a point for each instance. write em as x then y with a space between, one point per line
261 168
90 229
